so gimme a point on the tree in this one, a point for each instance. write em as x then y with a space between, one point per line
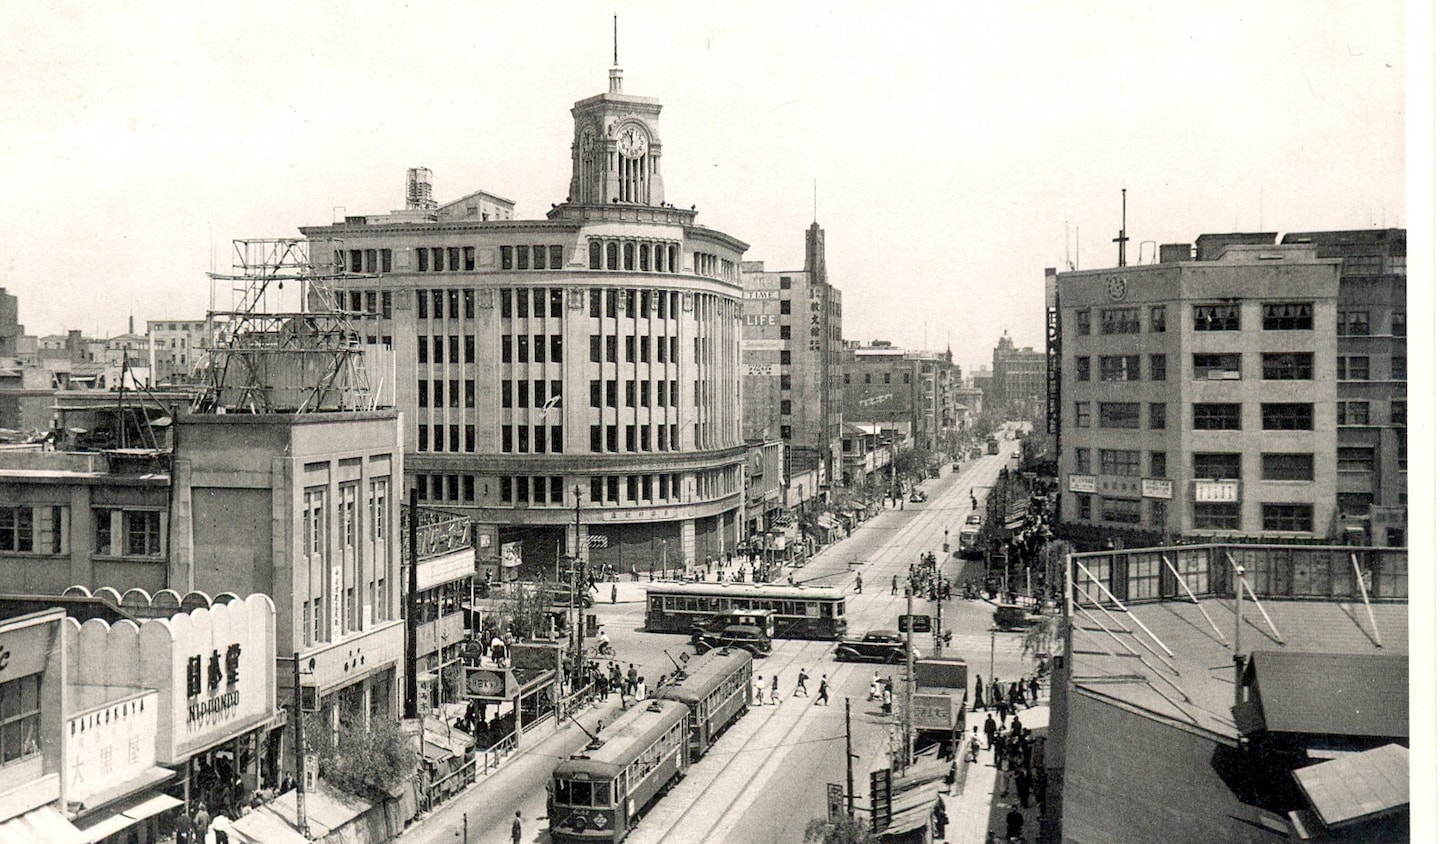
367 760
842 831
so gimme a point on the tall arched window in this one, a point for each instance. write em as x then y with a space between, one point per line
594 254
612 256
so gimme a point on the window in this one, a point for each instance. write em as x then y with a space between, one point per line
1120 415
1287 467
1157 319
1157 368
1398 412
1119 462
1352 413
469 348
423 437
1216 466
1124 510
131 533
1397 324
1082 507
1082 322
17 528
1157 416
19 719
1083 465
1082 368
1213 367
784 332
1120 321
1354 503
1216 417
1352 323
1288 316
1158 467
1120 368
1397 368
1350 458
1287 366
1221 317
1287 517
1287 417
1352 368
1212 516
1082 414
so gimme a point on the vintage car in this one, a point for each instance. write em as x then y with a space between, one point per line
746 637
874 646
1014 617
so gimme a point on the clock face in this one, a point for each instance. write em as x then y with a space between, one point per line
632 142
1116 287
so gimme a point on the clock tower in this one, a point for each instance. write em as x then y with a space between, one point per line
615 153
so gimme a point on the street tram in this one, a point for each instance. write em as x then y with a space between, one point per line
801 612
716 688
599 794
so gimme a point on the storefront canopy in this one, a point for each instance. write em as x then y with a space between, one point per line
42 824
127 814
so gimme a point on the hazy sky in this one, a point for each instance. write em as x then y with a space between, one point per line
952 143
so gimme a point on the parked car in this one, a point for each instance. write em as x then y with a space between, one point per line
874 646
918 495
746 637
974 519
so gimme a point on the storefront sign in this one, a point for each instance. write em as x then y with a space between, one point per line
1082 483
761 370
755 345
1217 492
23 651
510 554
107 746
1156 488
337 602
762 294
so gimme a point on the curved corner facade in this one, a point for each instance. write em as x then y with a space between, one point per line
591 357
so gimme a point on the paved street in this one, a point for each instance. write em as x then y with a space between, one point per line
765 778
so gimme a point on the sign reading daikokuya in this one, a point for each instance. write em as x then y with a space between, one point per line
213 667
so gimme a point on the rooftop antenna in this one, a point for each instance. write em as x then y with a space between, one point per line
1068 262
1121 240
814 200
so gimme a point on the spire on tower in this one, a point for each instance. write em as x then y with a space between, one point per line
615 71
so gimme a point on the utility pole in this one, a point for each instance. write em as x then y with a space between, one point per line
939 616
578 598
909 674
849 767
298 715
412 612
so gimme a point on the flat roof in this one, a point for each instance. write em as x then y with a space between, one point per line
1196 687
1354 694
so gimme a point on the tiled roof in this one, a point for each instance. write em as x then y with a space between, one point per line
1111 657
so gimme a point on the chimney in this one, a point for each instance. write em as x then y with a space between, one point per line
132 324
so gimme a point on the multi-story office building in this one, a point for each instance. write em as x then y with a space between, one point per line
176 349
881 394
1198 396
1370 379
791 354
1017 388
594 352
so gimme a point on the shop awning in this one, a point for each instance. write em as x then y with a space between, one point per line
127 814
42 824
826 520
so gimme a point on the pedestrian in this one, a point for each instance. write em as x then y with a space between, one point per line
979 694
221 827
614 593
998 758
886 701
759 690
630 677
1035 689
875 687
800 685
515 828
859 584
824 694
974 745
640 689
1014 822
894 584
940 818
1022 787
990 730
199 823
774 689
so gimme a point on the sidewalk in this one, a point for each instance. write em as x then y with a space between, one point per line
977 808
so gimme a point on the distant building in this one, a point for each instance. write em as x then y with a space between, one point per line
910 394
791 352
1017 387
1299 731
176 349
